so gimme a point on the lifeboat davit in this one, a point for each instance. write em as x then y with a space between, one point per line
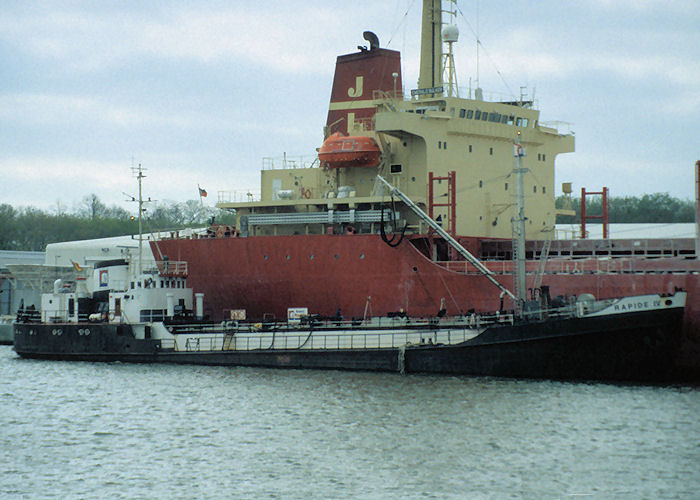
349 151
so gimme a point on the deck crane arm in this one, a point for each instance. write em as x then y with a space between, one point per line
448 238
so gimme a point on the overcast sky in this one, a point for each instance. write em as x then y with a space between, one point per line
199 91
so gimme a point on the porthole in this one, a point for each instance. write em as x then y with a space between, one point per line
287 257
415 269
311 257
265 257
335 256
362 256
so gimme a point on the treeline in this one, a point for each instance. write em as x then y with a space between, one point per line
652 208
30 228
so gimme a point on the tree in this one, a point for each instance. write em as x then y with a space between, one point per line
92 207
650 208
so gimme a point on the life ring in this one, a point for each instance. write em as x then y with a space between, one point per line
220 232
306 193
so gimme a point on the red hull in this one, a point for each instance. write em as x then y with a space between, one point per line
267 274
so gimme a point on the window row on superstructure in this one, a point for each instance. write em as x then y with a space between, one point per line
151 283
477 114
492 117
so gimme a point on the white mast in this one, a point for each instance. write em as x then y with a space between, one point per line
138 172
450 34
519 282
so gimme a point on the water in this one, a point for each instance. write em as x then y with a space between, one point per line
86 430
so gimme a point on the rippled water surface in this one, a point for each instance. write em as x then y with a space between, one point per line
164 431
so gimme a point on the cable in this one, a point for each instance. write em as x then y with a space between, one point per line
478 41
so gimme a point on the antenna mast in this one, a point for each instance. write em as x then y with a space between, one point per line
477 44
138 172
450 34
519 283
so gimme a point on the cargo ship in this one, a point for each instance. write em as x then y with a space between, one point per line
327 236
118 311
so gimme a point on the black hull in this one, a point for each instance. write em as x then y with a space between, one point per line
638 347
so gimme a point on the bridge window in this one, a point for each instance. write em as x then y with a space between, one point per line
462 113
470 114
477 116
396 168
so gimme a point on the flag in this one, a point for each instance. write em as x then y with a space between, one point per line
202 192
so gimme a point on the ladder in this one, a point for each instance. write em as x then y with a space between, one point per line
544 255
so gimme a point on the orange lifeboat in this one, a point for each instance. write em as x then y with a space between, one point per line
349 151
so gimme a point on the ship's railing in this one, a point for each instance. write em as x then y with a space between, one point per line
464 93
387 95
394 333
562 128
286 162
580 266
329 340
363 124
170 268
238 196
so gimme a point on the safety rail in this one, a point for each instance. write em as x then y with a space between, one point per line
248 196
579 266
377 333
329 340
171 268
288 162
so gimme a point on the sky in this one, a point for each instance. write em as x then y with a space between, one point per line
198 92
